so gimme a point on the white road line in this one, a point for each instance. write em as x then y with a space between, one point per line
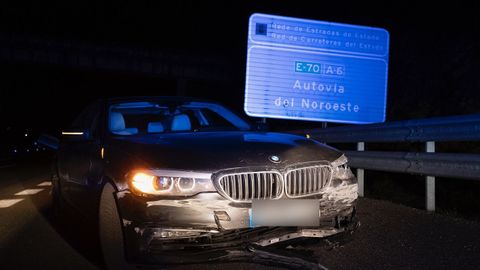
45 184
322 267
9 202
30 191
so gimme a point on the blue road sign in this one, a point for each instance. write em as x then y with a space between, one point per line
314 70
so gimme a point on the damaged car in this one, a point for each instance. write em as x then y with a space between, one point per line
165 175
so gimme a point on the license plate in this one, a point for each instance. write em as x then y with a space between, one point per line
285 213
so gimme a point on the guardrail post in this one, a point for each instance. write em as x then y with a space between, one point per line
430 182
360 172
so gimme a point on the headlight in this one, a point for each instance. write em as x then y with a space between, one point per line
341 170
169 183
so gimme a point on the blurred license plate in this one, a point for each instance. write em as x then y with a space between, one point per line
285 213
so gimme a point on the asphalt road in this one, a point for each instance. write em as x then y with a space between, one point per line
391 236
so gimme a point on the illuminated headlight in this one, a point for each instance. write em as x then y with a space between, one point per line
169 183
163 183
341 170
186 184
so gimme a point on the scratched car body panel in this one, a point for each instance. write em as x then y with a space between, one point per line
186 173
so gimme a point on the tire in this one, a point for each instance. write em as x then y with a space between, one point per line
110 231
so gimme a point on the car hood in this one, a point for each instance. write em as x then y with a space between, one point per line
213 151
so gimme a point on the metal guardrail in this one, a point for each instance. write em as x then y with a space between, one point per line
431 164
452 128
466 166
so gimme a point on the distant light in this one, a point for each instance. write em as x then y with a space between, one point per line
15 150
26 134
307 136
28 150
34 143
37 149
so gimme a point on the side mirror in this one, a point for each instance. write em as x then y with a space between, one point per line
76 134
48 141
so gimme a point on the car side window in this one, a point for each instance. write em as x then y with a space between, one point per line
89 119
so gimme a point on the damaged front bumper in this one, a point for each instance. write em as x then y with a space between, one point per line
208 221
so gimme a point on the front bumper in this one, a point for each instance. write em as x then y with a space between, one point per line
152 228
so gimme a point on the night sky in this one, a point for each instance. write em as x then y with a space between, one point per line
433 68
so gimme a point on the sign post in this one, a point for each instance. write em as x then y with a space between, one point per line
314 70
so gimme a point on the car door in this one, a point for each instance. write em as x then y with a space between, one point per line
80 163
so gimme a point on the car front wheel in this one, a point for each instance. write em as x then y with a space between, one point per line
110 230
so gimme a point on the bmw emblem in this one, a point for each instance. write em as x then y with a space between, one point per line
274 159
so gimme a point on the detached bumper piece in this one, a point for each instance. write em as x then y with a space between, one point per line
250 253
261 236
255 245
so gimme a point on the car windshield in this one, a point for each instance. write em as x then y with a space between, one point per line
132 118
